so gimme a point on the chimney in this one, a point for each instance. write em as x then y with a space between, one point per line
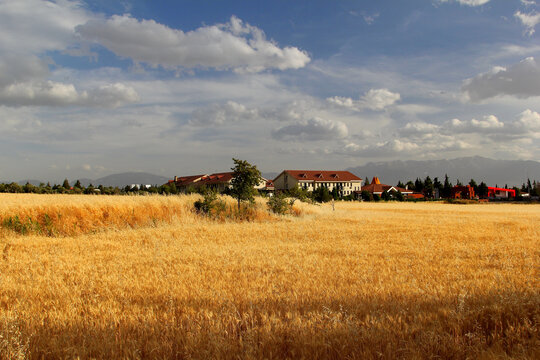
175 178
406 187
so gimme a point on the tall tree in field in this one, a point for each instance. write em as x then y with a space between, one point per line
428 187
66 185
245 178
482 190
447 187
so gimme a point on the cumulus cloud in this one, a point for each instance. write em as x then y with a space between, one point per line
312 130
234 45
528 120
374 99
218 114
39 25
525 126
29 28
418 128
488 124
50 93
529 20
521 80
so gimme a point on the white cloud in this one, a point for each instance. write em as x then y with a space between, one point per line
529 20
528 2
521 80
220 114
50 93
488 124
374 99
312 130
35 26
467 2
28 28
416 128
528 121
233 45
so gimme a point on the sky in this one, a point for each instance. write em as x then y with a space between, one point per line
91 88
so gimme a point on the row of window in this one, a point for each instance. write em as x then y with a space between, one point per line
340 186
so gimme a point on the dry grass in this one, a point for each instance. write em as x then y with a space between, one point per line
366 281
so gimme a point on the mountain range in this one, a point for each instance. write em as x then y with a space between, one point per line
119 180
492 172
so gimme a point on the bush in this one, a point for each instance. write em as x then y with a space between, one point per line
208 203
322 194
367 196
278 204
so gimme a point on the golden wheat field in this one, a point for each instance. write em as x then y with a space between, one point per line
125 277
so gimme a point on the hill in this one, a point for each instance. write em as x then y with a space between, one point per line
128 178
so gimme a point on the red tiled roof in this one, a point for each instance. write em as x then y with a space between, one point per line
218 178
186 180
322 175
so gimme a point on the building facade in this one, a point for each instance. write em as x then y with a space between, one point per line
217 181
345 182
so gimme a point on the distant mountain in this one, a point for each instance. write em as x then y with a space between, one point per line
269 175
129 178
119 180
84 181
31 181
492 172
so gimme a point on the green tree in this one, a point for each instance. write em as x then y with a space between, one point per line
208 202
410 185
428 187
321 194
77 185
278 204
482 190
335 193
245 178
299 193
447 187
366 195
535 189
418 185
66 185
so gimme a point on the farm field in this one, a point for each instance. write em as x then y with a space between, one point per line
118 277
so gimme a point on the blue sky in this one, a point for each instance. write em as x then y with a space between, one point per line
90 88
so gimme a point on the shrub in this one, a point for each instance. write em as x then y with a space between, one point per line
208 203
278 204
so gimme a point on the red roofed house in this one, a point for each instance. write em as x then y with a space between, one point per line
216 181
183 182
344 181
500 193
462 192
376 188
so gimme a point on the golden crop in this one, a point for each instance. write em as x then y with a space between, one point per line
145 277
